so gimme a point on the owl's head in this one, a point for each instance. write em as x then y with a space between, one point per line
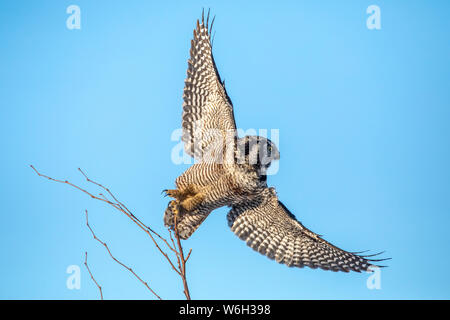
258 151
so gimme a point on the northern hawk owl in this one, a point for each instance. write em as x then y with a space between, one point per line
231 171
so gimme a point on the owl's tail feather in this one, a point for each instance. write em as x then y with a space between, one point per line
187 222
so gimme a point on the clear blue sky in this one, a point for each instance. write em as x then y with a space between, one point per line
364 139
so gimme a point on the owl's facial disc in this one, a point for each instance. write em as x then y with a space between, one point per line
273 150
259 151
268 152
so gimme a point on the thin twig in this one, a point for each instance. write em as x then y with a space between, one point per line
177 253
116 260
177 249
117 206
121 207
183 262
189 254
92 277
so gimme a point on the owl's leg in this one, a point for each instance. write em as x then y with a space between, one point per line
174 207
173 193
191 203
186 222
172 213
189 197
181 194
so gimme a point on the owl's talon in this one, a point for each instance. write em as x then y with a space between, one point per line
189 198
174 207
172 213
173 193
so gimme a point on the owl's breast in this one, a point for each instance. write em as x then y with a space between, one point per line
247 180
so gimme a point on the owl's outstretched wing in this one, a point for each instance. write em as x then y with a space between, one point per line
270 228
207 109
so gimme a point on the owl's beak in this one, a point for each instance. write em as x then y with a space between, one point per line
276 156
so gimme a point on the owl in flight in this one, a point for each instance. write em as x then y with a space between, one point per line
231 171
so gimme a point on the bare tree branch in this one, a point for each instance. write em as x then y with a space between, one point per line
175 248
189 254
92 277
116 260
183 262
